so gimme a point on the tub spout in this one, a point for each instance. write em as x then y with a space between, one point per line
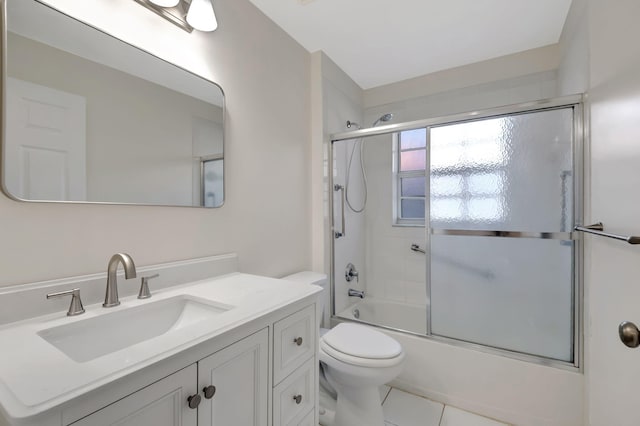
356 293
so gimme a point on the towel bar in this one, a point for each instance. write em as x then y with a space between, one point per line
598 229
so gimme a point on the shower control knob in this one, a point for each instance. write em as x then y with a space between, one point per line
629 334
350 273
298 341
297 399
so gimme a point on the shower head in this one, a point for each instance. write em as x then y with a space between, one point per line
385 117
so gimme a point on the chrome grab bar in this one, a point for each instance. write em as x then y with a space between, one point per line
504 234
342 232
598 229
417 248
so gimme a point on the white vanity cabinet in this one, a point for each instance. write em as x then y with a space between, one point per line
238 374
242 352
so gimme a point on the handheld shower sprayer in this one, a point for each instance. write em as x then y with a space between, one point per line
383 118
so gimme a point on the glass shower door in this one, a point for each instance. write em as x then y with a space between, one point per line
501 207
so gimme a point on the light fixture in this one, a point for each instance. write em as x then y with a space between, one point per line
187 14
201 15
165 3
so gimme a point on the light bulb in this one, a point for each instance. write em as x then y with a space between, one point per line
165 3
201 15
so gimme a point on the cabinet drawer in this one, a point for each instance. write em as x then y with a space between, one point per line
295 396
294 342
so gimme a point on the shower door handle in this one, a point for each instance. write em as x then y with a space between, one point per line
342 232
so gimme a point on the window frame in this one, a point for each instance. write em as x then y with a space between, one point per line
397 177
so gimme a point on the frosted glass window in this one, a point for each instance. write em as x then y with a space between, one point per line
466 165
485 183
485 209
514 172
446 208
446 185
478 144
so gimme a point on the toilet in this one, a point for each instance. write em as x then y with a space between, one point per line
355 361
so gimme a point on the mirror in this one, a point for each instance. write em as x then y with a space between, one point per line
90 118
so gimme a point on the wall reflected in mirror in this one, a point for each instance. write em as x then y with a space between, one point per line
90 118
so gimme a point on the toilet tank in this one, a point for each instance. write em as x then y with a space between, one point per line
315 278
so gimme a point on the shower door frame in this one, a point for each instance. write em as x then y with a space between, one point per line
579 148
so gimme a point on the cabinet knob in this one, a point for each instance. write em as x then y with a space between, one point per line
629 334
209 391
194 401
298 341
297 399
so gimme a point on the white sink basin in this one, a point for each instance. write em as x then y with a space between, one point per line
88 339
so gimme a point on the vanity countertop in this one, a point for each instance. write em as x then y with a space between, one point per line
35 376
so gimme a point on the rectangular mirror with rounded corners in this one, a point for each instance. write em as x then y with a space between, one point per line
91 118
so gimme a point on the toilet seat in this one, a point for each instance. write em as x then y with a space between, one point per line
361 346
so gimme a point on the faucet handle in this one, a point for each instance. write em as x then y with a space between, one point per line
144 292
75 308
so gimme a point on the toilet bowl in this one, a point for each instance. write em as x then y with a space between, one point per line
357 360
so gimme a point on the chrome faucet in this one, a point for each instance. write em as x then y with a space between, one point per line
356 293
111 296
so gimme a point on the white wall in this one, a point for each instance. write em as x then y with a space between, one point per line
573 71
341 101
532 61
611 266
265 219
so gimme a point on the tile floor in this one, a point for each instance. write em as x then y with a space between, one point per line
404 409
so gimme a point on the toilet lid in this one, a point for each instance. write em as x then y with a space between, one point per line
363 342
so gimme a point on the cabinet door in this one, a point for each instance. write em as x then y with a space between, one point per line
164 403
239 374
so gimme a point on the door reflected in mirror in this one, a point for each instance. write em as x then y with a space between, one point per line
90 118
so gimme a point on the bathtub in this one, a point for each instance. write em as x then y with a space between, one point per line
387 313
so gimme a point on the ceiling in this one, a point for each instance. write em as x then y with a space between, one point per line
379 42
